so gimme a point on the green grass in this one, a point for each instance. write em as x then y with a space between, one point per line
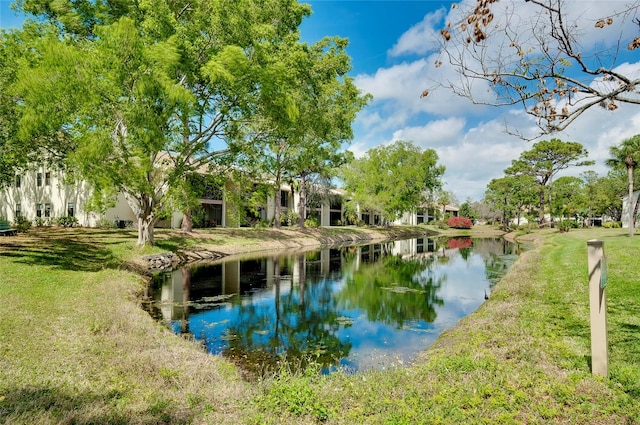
75 347
524 357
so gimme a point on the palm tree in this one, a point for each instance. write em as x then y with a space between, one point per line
627 155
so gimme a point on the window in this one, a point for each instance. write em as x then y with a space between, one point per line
47 178
47 210
18 180
18 210
38 210
39 179
284 198
71 209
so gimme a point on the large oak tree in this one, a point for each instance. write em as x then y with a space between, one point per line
145 92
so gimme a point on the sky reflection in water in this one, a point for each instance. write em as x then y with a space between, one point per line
371 306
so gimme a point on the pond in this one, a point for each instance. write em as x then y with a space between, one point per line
351 308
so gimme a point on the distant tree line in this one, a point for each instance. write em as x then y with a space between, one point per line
529 191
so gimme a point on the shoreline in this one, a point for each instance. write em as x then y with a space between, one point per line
287 239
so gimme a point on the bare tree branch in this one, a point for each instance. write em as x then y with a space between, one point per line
537 53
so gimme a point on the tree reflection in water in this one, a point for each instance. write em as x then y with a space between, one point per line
333 307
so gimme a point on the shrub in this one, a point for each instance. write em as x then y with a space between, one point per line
103 223
22 224
459 222
290 218
528 228
312 222
440 224
67 221
565 225
612 225
263 224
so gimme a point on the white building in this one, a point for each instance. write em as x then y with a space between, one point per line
42 194
626 206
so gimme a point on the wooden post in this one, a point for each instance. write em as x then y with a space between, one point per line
598 307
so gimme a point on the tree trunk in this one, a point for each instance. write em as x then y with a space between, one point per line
276 214
302 202
551 202
186 298
142 207
187 222
630 200
541 213
145 230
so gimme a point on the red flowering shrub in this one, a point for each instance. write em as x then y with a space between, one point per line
459 223
455 243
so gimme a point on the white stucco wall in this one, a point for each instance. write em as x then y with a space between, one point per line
58 196
626 206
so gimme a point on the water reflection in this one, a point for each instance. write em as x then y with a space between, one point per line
374 305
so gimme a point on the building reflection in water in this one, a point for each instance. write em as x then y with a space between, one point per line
326 303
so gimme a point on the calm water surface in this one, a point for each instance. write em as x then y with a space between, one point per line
355 308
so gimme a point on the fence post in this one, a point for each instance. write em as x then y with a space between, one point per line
597 263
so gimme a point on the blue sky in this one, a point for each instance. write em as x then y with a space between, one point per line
393 45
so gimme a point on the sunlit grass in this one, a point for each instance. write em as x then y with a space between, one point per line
521 358
75 347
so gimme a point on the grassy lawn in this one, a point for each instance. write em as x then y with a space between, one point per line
75 346
524 357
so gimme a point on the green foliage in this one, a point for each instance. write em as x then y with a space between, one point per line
528 227
612 225
263 224
350 212
103 223
441 224
627 156
393 179
113 88
543 161
67 221
312 222
22 224
296 395
42 221
511 195
466 210
306 118
569 197
565 225
290 218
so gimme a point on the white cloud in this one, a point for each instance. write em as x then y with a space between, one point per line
421 38
434 134
475 152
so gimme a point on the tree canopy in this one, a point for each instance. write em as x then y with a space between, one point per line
393 179
627 155
137 95
308 137
544 160
513 195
